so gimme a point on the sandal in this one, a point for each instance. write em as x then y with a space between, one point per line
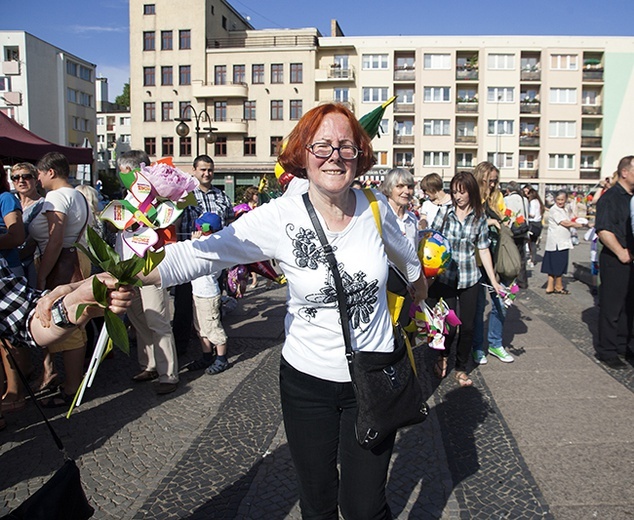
42 386
550 292
562 291
57 401
440 367
12 406
462 378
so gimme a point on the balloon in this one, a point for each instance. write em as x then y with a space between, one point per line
266 269
237 281
434 252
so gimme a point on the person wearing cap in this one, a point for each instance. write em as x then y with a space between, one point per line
206 304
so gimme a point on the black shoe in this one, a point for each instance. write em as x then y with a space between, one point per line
614 363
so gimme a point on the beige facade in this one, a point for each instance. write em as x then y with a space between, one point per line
548 110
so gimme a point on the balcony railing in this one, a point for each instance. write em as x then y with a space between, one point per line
11 68
404 139
228 90
463 106
340 74
591 110
531 75
463 73
466 139
240 40
529 140
464 168
593 75
529 108
528 173
402 74
589 173
400 108
591 141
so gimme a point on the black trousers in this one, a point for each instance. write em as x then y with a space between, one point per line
183 321
319 418
616 300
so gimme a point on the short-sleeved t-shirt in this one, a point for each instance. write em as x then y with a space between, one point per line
613 215
8 204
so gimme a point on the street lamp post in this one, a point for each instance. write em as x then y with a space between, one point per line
182 129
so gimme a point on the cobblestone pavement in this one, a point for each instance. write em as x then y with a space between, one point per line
216 447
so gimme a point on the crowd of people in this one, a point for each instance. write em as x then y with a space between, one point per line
326 153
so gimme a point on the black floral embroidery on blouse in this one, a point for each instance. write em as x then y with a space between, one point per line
308 253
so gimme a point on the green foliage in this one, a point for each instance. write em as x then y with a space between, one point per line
123 99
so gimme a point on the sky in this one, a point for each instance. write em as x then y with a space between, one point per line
97 30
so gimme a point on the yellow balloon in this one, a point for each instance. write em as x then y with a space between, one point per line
278 167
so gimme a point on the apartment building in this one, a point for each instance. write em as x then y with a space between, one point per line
47 90
114 130
552 111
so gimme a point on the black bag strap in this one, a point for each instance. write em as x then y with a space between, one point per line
58 441
332 262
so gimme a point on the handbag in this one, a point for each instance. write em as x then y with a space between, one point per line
507 257
519 230
389 395
62 496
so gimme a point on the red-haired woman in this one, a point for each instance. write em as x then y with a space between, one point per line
330 149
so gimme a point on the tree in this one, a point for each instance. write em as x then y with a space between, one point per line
124 98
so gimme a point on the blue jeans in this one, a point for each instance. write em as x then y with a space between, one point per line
496 321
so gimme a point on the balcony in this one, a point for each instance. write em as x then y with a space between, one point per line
591 110
404 140
229 90
239 39
590 173
467 73
529 140
467 107
405 74
466 139
593 141
231 126
592 74
531 75
11 68
529 107
464 168
12 98
527 173
404 108
334 73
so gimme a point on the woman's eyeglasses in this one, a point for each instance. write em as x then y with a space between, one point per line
23 177
324 150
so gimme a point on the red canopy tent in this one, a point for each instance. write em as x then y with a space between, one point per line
19 144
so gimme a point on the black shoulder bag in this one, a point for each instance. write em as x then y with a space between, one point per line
61 497
389 395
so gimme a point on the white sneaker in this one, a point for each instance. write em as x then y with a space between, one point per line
479 357
501 354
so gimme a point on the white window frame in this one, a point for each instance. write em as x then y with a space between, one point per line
436 159
437 127
341 95
375 94
374 62
437 61
403 128
466 128
563 96
381 158
501 61
403 162
585 164
501 127
586 98
564 62
501 95
405 96
561 161
384 127
461 160
525 164
501 159
562 129
437 94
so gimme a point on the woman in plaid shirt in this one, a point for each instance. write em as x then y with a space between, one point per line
464 224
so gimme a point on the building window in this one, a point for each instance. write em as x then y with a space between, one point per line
436 94
381 158
257 74
566 96
527 161
501 159
501 126
564 62
166 110
465 128
125 121
384 127
436 127
220 147
374 94
150 145
5 84
590 97
125 138
277 73
167 146
404 159
185 146
436 159
588 161
220 111
149 111
71 68
184 39
402 128
85 73
405 96
501 61
297 73
249 146
224 22
464 160
276 143
374 62
561 161
249 110
166 40
566 129
149 8
437 61
184 74
167 75
184 110
296 109
239 74
148 40
341 95
220 74
277 110
501 95
149 77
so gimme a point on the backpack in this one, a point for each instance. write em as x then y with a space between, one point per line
507 256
